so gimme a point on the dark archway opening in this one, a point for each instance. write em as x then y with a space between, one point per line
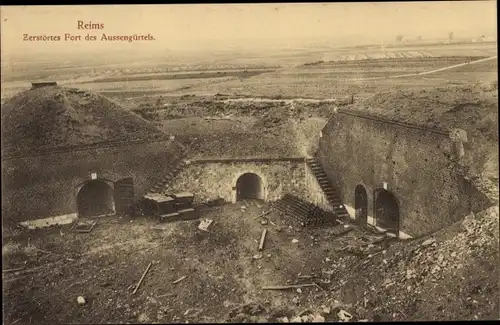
361 204
249 186
95 198
387 211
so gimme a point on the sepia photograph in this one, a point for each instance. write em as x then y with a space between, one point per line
249 163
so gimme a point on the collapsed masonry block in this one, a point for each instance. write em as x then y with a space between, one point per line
183 200
170 217
188 214
158 204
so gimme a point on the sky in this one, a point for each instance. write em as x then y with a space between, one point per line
196 26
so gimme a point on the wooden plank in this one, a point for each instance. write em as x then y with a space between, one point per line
293 286
142 278
93 225
14 270
262 214
262 239
179 279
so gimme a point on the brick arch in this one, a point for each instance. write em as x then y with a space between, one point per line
386 208
95 197
263 180
361 204
79 186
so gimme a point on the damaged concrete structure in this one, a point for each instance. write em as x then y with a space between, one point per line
58 187
397 175
70 170
35 85
241 178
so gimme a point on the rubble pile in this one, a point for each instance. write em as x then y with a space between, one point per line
445 276
437 278
257 313
249 313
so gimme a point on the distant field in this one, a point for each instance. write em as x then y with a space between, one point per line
477 49
374 68
346 79
427 63
312 81
185 75
167 85
104 66
311 72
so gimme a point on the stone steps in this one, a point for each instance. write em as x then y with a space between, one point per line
169 175
332 195
161 184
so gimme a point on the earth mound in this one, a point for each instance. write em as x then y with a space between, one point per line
48 118
471 107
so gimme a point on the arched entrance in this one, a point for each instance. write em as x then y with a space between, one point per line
95 198
386 210
249 186
361 204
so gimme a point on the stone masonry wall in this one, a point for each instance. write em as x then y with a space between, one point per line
46 186
214 180
417 165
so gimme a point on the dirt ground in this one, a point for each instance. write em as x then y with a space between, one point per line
223 269
219 275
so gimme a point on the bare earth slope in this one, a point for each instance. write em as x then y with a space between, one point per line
451 276
472 107
55 117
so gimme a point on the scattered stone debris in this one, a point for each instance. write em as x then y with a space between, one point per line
360 242
341 230
420 274
428 242
318 319
283 320
257 256
250 312
307 316
344 316
204 224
